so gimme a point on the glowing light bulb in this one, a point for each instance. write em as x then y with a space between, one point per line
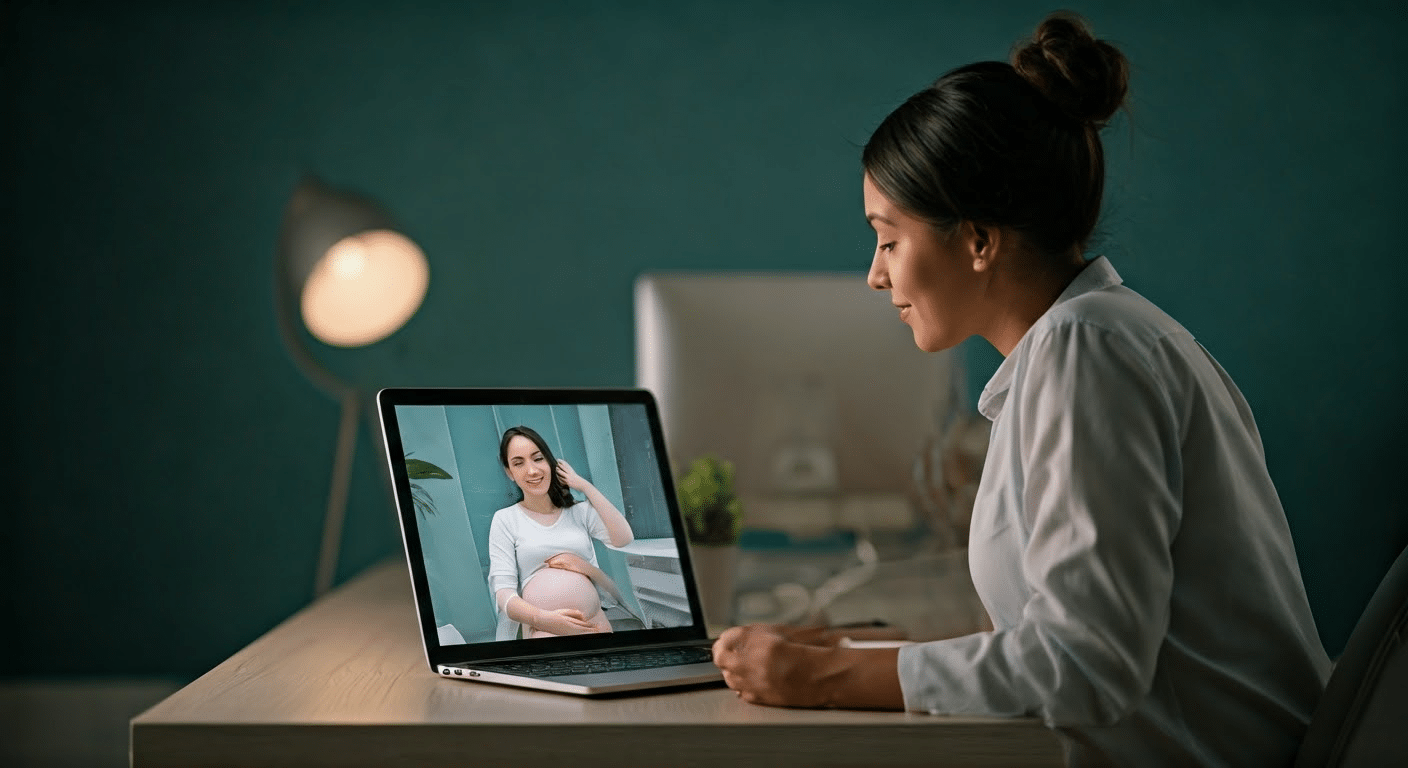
348 259
365 288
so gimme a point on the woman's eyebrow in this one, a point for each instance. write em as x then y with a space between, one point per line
871 218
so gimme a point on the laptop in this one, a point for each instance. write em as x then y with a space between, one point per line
575 580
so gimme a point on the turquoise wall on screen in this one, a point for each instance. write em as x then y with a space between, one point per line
169 465
455 566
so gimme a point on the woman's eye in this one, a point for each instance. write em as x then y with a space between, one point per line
887 247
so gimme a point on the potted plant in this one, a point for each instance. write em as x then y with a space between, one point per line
713 519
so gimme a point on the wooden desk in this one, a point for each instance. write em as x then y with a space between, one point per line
345 683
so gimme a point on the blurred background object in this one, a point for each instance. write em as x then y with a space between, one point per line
809 384
947 469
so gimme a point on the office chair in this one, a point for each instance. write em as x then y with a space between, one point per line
1362 718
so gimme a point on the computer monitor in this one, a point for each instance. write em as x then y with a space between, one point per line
807 382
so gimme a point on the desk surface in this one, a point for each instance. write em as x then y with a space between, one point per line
345 682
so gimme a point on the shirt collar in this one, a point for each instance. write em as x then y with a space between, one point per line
1097 275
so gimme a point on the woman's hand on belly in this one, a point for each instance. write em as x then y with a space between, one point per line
570 600
562 621
568 561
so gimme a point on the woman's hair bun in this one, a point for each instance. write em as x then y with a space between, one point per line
1087 78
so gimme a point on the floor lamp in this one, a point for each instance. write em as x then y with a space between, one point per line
351 279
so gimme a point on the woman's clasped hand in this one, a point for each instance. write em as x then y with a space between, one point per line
806 667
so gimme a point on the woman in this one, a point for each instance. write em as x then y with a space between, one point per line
542 566
1126 539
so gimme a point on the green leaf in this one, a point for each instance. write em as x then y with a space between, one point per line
419 469
421 500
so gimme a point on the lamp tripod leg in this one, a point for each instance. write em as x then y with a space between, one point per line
337 496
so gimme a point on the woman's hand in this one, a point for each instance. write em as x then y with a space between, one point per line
569 475
568 561
799 667
564 621
765 666
825 637
618 530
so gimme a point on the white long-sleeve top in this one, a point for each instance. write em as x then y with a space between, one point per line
519 547
1131 550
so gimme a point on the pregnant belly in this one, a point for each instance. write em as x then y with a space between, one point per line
554 588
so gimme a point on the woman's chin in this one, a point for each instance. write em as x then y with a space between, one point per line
928 344
934 342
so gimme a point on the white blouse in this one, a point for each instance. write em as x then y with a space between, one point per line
519 547
1131 550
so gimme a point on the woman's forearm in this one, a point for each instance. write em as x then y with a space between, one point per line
570 561
518 609
607 583
859 678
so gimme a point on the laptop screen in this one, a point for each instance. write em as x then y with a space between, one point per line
537 519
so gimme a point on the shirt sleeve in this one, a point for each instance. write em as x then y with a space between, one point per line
503 559
1097 445
589 519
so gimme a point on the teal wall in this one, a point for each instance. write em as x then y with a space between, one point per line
168 465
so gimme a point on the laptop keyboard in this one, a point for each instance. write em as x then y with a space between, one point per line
615 661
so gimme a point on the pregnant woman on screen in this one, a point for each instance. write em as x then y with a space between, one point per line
542 566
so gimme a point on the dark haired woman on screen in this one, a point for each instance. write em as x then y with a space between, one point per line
543 571
1127 540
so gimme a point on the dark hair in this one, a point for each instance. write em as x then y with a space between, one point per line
1014 145
558 492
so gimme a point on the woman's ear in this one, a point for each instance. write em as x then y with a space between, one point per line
982 243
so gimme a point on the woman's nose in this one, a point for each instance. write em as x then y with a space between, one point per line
878 277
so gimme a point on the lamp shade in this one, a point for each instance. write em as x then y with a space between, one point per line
356 279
